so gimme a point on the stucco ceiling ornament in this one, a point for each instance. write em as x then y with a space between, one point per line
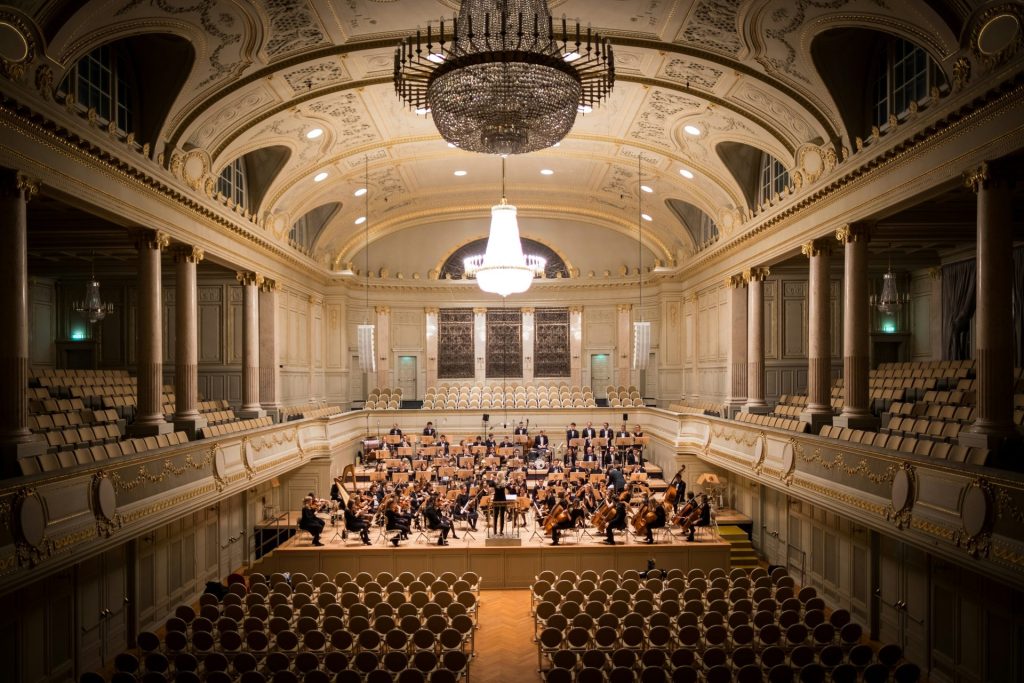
194 166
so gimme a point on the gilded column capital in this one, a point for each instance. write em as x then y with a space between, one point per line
382 310
479 310
757 274
527 310
270 285
935 273
27 186
818 247
248 278
989 175
184 253
977 178
432 310
573 309
315 299
690 298
853 232
737 281
624 308
152 239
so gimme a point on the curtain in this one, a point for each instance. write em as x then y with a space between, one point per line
1018 307
958 301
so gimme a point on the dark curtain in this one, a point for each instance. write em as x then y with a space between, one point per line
1018 307
958 301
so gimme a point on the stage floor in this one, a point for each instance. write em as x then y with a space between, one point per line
500 566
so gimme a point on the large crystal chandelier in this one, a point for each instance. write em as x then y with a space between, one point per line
504 269
504 77
890 300
92 306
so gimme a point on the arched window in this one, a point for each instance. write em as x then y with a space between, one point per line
772 178
231 182
308 227
702 227
103 80
903 73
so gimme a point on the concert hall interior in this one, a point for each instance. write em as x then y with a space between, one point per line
541 340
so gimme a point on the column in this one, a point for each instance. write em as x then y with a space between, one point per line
856 409
624 347
993 426
315 339
692 347
575 345
15 438
270 364
149 414
251 283
755 341
737 350
529 329
480 344
819 343
186 341
383 346
431 316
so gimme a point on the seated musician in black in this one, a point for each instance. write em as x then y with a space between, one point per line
310 522
617 522
396 521
566 523
658 523
429 430
463 509
353 522
336 491
490 443
703 518
437 522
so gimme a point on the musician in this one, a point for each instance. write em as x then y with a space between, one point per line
680 485
659 518
309 521
566 521
615 479
520 430
633 456
396 521
589 432
429 430
506 442
465 506
336 490
572 432
589 455
395 431
442 446
500 496
436 521
540 442
354 522
637 432
490 443
700 518
617 522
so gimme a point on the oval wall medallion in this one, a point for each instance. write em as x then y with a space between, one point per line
105 498
788 461
902 492
975 511
220 463
760 449
997 34
13 45
31 519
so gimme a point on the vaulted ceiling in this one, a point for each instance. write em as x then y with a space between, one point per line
266 73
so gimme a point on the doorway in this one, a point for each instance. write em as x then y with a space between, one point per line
600 374
407 376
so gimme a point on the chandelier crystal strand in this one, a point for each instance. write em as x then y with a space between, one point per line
502 78
890 300
92 306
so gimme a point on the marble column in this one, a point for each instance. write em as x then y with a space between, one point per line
856 365
270 364
737 349
624 327
431 317
575 345
149 413
755 341
187 417
251 282
480 345
16 441
993 182
819 343
383 346
529 330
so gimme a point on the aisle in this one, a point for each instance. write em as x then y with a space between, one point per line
505 649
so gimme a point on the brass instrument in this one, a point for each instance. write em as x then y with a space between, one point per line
557 515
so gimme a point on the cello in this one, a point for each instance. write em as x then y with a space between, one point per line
644 516
557 515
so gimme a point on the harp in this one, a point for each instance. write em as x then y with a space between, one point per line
348 473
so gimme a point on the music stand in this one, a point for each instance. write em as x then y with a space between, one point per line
538 526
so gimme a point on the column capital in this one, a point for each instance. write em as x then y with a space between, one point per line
527 309
853 232
152 239
382 310
737 281
756 274
247 278
431 310
690 298
270 285
27 186
573 309
184 253
480 310
935 273
316 299
624 308
818 247
990 175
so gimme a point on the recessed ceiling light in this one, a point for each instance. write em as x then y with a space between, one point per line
691 129
546 171
584 109
422 111
360 220
321 176
686 173
315 133
459 173
646 217
360 192
647 188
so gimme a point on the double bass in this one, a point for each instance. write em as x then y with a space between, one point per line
673 491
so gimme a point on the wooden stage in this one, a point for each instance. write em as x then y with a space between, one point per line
500 566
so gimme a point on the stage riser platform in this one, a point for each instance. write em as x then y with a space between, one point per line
498 567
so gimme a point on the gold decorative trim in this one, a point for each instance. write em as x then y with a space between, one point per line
248 278
838 464
167 470
184 253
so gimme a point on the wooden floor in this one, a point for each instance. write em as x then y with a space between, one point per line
505 650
